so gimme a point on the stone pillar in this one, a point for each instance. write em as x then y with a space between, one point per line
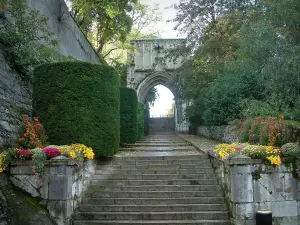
242 198
61 188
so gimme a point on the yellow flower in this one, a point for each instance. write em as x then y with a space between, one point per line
85 151
275 160
72 154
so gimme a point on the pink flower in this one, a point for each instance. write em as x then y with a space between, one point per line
51 152
240 148
25 154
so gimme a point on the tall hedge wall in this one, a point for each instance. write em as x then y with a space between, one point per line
146 119
128 113
79 102
140 120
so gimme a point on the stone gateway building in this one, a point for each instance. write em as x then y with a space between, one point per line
150 66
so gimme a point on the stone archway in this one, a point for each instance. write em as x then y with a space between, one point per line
150 67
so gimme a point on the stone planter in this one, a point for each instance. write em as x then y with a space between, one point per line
61 188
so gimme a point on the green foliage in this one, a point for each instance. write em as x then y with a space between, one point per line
128 115
79 103
152 95
38 159
146 119
25 38
291 151
244 60
106 20
140 120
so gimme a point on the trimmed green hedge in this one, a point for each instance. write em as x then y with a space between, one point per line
140 120
146 119
79 102
128 112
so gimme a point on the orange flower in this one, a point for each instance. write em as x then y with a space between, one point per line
281 116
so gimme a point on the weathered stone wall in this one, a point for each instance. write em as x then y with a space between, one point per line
226 133
72 42
61 188
250 186
15 94
15 100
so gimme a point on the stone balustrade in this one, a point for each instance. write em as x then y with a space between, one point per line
61 188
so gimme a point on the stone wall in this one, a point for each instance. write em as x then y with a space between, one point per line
72 41
15 94
15 100
250 186
226 133
61 187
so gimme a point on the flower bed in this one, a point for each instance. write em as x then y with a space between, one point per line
38 156
268 154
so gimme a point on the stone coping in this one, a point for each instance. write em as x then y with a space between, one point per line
69 162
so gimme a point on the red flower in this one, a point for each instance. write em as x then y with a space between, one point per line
25 154
51 152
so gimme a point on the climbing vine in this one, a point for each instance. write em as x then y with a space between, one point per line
25 38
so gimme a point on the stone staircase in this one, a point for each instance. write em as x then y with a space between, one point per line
161 180
162 124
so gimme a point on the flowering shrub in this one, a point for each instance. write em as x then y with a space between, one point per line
39 155
2 158
24 154
267 153
87 152
34 134
223 150
263 131
51 152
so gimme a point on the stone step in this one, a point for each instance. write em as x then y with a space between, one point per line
165 149
147 141
156 182
160 166
152 208
150 215
153 201
159 162
151 194
208 171
157 188
153 176
155 144
155 222
162 158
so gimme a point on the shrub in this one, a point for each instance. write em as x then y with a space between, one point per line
266 153
79 102
34 134
146 119
51 152
291 151
128 112
140 120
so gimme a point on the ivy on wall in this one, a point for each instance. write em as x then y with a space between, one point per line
25 38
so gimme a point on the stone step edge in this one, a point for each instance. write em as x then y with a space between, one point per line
149 191
145 186
143 222
153 213
166 205
183 198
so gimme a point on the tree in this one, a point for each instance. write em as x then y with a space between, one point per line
144 19
107 21
243 60
25 38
